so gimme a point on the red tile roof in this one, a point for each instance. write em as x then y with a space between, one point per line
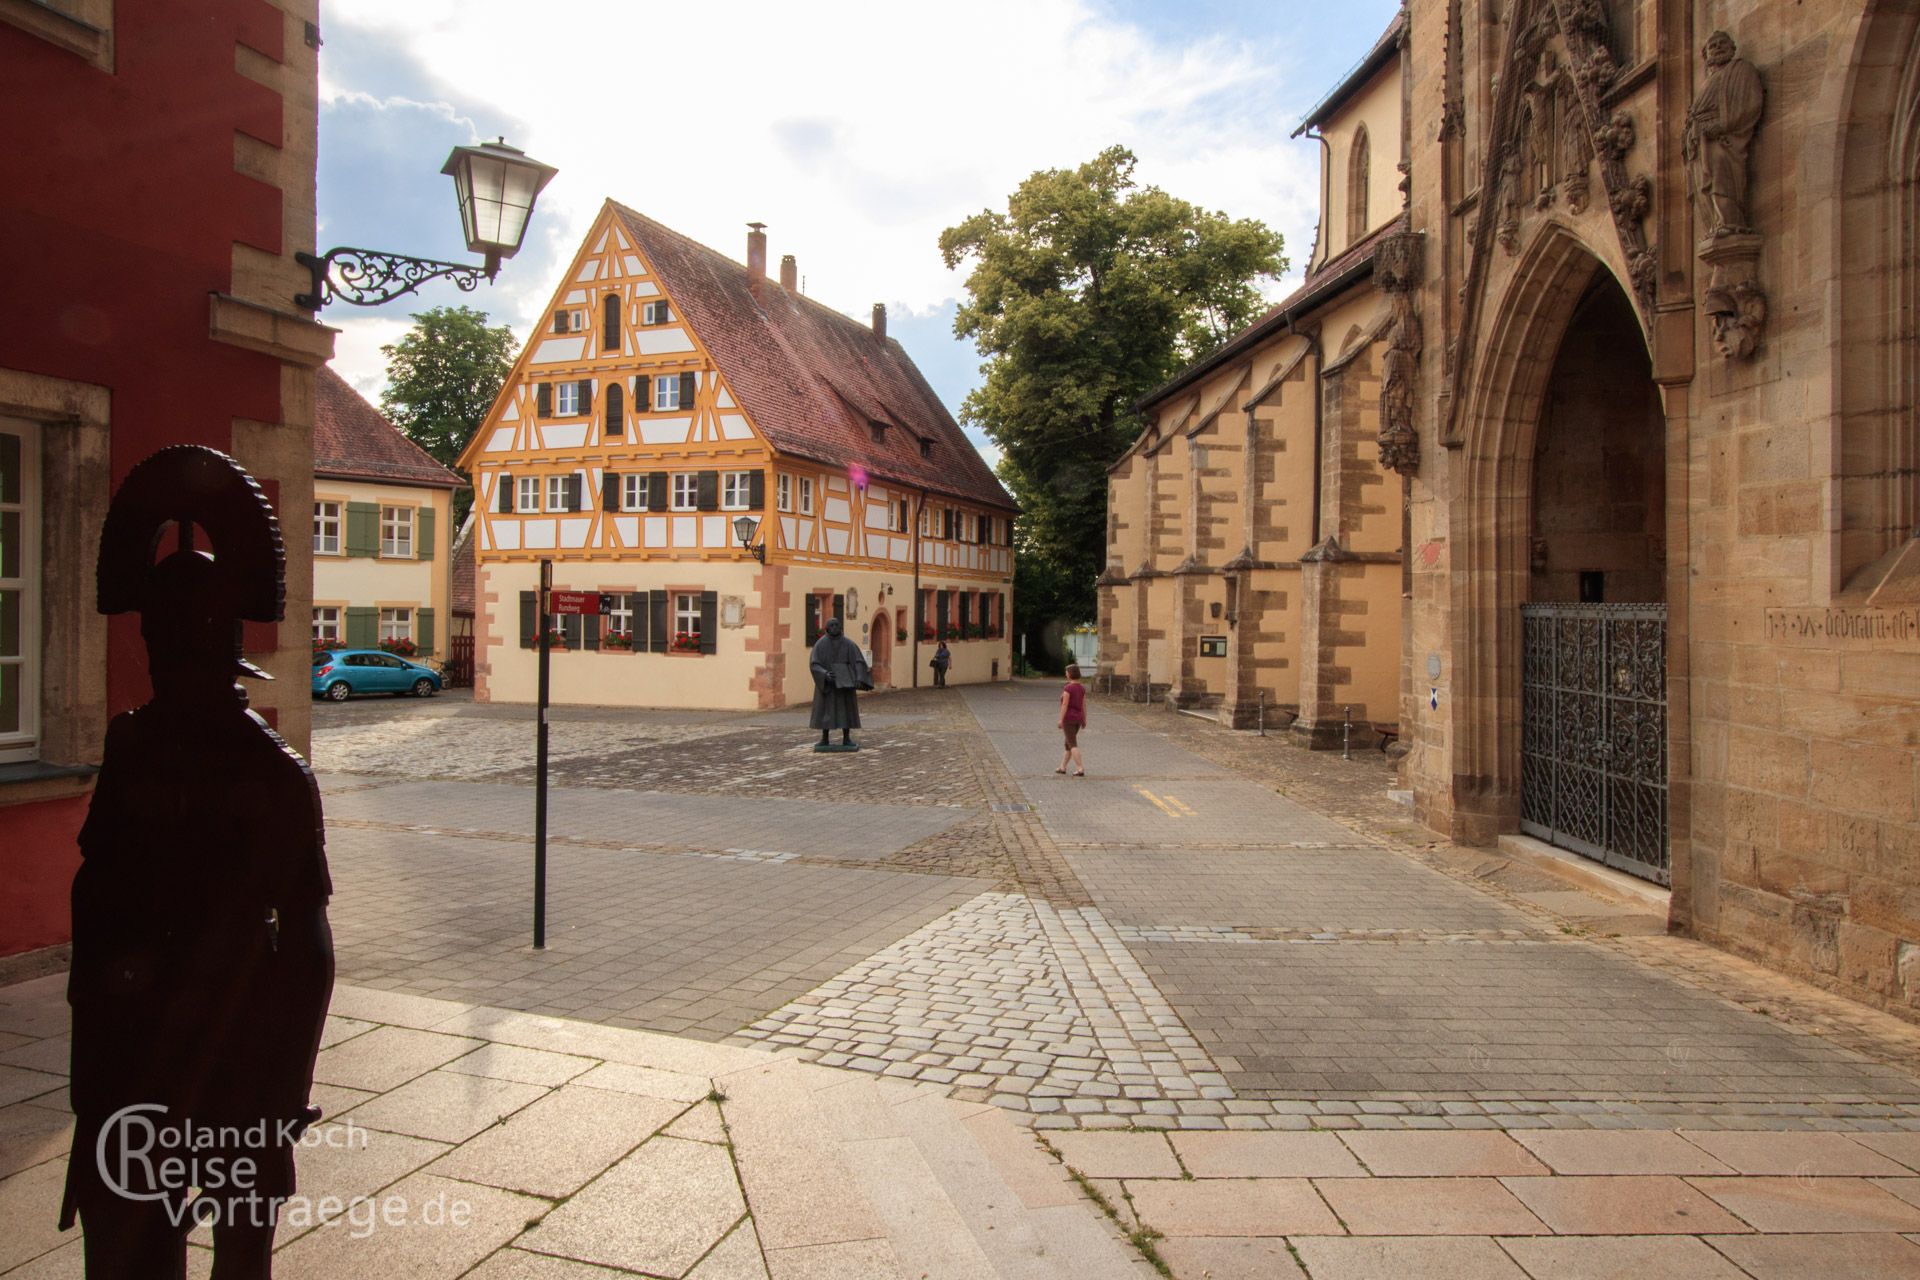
814 380
352 440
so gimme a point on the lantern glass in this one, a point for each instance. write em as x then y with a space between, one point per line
496 186
744 528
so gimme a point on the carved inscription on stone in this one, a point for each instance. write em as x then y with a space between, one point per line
1876 628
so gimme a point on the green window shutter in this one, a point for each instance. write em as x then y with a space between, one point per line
363 528
657 621
586 396
709 491
812 620
656 491
503 494
423 629
609 491
642 624
686 391
363 627
610 328
423 534
590 625
543 400
616 410
709 621
643 394
840 608
529 626
757 491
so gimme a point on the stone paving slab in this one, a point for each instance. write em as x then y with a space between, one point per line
651 819
1321 889
1528 1019
667 942
1033 752
1226 813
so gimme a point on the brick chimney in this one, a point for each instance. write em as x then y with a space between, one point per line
880 321
789 273
756 251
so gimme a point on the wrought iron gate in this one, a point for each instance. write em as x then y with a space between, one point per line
1593 744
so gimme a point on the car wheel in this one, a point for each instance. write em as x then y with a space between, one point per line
339 691
423 688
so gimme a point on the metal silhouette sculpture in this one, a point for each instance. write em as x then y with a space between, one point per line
839 673
202 959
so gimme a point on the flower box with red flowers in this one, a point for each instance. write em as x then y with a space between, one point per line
400 648
617 640
685 642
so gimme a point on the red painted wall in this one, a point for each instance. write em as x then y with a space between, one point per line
117 220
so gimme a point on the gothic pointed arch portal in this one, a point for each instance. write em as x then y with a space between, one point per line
1561 521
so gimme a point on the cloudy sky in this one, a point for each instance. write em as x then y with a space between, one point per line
856 130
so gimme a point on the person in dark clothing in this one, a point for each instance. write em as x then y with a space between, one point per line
1073 717
942 659
839 671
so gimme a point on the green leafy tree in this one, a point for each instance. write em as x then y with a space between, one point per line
442 377
1088 292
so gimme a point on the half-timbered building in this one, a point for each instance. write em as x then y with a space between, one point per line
731 463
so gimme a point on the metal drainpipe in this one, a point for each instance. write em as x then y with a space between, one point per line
1319 362
915 613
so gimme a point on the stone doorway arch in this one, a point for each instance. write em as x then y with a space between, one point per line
1491 517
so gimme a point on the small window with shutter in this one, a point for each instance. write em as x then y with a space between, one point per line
656 313
566 400
666 393
633 495
616 423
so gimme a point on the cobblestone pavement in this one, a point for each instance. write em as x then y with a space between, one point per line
1214 932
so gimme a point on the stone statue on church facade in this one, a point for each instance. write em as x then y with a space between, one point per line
1719 131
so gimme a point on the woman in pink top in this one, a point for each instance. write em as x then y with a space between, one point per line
1073 714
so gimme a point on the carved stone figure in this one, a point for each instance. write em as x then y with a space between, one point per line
1719 130
1508 230
1537 104
1397 271
1575 151
202 960
839 672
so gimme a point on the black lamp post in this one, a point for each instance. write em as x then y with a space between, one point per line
496 186
744 528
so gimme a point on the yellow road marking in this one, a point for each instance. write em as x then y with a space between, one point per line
1157 802
1181 805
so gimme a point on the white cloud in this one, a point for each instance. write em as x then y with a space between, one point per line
857 131
356 351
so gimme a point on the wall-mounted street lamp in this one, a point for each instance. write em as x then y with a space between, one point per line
496 185
744 527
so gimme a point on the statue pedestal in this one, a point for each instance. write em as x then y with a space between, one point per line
1733 300
836 746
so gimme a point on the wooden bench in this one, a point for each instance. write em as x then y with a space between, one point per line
1389 733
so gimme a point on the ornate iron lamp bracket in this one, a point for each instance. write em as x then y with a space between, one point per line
367 277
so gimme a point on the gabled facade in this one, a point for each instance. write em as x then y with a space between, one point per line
381 513
1254 545
671 392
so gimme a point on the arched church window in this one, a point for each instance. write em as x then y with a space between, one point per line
1359 168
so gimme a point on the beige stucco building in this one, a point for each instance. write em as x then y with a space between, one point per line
381 530
1254 543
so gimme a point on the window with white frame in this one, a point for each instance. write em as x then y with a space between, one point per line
396 532
666 392
19 589
899 515
686 491
326 624
736 490
686 615
633 492
529 496
620 613
806 496
559 493
655 313
783 490
923 519
396 624
570 320
566 399
326 528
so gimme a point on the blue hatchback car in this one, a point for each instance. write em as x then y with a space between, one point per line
338 674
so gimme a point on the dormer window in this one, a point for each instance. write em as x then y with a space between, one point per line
926 447
879 430
570 321
655 313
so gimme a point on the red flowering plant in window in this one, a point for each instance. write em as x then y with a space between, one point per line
617 640
400 647
686 642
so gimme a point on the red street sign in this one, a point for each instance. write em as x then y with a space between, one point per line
573 602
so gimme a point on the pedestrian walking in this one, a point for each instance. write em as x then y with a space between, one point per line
942 659
1073 717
